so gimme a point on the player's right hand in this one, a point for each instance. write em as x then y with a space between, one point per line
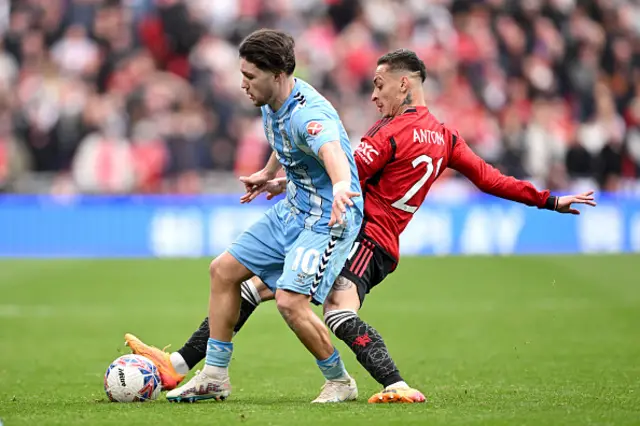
341 199
254 185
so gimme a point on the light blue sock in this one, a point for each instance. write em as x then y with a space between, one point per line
333 368
218 353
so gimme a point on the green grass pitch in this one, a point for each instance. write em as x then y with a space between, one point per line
490 340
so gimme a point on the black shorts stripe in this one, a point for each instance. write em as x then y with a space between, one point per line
368 266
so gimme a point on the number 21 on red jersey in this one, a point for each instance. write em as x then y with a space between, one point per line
418 162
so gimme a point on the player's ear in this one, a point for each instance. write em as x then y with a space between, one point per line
404 84
282 76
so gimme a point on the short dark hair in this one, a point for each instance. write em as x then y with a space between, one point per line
404 59
270 50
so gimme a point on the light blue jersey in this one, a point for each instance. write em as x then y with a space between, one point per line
304 123
292 247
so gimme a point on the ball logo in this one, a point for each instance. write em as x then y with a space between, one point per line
314 128
123 383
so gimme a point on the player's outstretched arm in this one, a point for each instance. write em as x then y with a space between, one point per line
490 180
337 166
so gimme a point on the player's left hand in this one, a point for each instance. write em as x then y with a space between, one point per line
254 185
273 187
341 199
565 202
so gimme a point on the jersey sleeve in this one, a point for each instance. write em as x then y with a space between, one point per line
316 129
490 180
372 154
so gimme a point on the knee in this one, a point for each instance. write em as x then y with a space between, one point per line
330 304
215 268
222 271
343 296
335 301
290 304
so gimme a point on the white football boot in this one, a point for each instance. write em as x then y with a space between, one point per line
201 387
337 391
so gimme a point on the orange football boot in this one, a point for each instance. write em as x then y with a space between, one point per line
168 375
397 396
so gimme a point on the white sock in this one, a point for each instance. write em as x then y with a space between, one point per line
217 372
398 385
179 363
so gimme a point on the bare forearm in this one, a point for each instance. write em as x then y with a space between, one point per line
335 162
337 166
273 165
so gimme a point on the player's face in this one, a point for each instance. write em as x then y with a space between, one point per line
259 85
388 92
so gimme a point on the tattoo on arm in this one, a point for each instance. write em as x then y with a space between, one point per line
342 284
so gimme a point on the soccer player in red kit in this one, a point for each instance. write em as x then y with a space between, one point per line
398 160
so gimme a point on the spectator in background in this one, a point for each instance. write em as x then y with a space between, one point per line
147 91
104 162
13 157
75 54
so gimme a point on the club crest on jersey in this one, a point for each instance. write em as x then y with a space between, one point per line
314 128
367 152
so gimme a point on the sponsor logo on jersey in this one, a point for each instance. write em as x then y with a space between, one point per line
314 128
367 152
427 136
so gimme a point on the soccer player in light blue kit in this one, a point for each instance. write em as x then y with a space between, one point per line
301 244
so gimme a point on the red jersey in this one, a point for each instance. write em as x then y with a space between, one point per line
399 159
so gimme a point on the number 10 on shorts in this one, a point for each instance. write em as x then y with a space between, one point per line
306 260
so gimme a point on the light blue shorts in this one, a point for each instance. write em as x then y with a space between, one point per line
285 255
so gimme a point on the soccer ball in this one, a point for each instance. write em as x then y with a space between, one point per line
132 378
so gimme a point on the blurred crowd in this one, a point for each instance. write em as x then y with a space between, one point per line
144 95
